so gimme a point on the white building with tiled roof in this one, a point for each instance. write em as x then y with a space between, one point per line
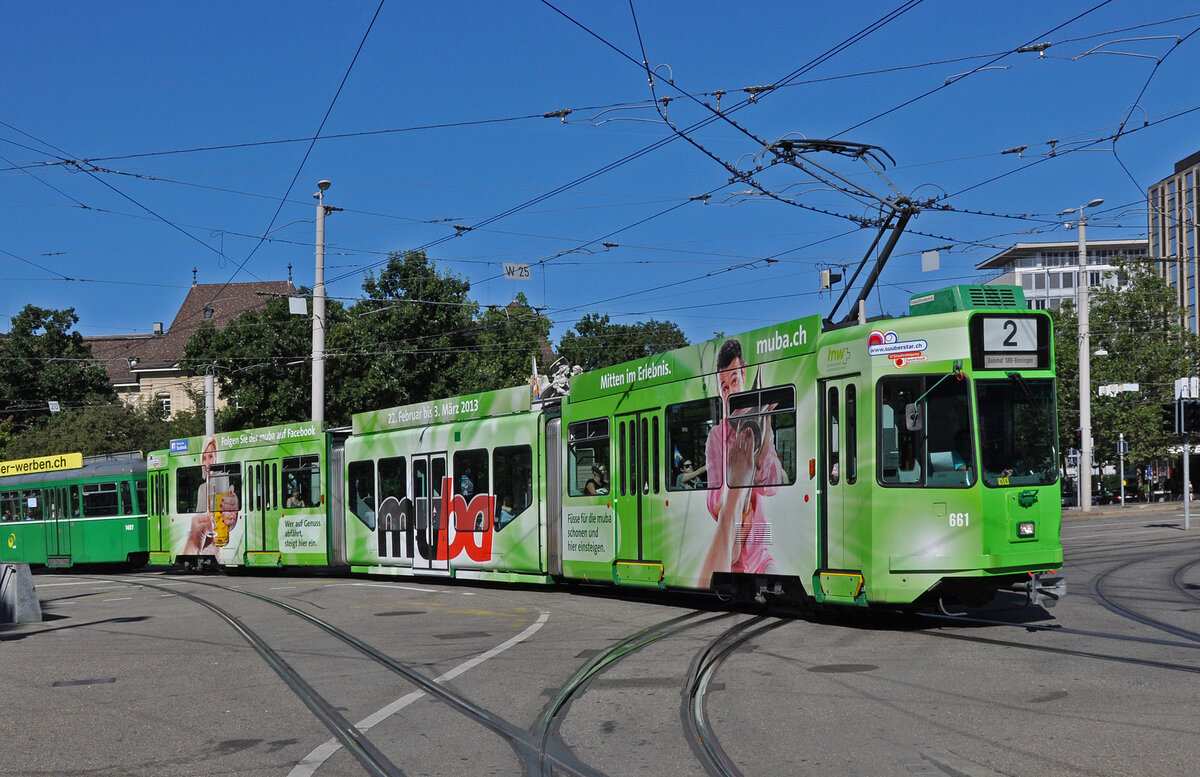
145 368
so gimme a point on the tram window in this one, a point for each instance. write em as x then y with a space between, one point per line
769 414
188 482
100 500
437 474
688 428
223 480
832 429
643 458
391 478
10 506
1017 431
392 484
362 491
851 433
898 445
924 432
471 473
513 468
301 481
657 466
75 501
588 457
31 505
140 491
126 498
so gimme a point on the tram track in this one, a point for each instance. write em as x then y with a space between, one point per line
528 748
545 730
358 745
695 716
539 749
1110 602
1186 639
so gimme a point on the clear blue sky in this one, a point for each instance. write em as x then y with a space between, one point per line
431 130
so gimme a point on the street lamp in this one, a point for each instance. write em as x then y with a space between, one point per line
1085 365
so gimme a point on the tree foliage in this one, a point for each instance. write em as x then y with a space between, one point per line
405 341
507 340
596 342
263 363
44 359
1135 325
416 335
110 428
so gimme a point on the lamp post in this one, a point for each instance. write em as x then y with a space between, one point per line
318 331
1085 365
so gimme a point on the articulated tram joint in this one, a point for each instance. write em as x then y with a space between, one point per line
1044 588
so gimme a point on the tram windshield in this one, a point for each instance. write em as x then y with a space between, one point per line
925 432
1017 431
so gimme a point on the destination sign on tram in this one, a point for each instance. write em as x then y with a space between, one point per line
1013 342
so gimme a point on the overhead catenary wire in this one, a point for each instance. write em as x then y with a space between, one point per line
951 232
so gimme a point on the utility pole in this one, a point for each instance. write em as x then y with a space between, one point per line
1121 455
1085 366
210 402
318 332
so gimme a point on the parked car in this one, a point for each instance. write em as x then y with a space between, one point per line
1069 500
1105 498
1132 494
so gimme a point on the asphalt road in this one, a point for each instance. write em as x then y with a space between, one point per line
139 674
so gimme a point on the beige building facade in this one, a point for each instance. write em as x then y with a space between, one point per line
144 368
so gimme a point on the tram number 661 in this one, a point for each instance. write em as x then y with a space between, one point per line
960 519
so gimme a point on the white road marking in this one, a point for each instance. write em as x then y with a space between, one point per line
309 764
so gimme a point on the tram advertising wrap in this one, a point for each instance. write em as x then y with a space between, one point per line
903 462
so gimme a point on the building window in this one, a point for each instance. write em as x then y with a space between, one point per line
164 401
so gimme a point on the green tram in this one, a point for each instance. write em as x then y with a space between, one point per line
905 461
901 462
67 510
257 497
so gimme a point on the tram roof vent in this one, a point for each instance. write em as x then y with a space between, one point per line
955 298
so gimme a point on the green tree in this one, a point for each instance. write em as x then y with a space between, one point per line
99 429
596 342
506 341
405 341
44 359
1135 326
262 363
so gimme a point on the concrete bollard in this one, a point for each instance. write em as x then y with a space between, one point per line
18 599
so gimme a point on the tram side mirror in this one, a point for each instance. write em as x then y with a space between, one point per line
914 419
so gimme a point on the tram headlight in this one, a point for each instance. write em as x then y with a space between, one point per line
1025 529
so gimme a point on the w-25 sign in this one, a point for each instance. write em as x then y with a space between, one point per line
516 272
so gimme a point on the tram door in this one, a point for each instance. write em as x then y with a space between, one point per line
54 506
159 512
428 472
840 543
260 495
637 481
